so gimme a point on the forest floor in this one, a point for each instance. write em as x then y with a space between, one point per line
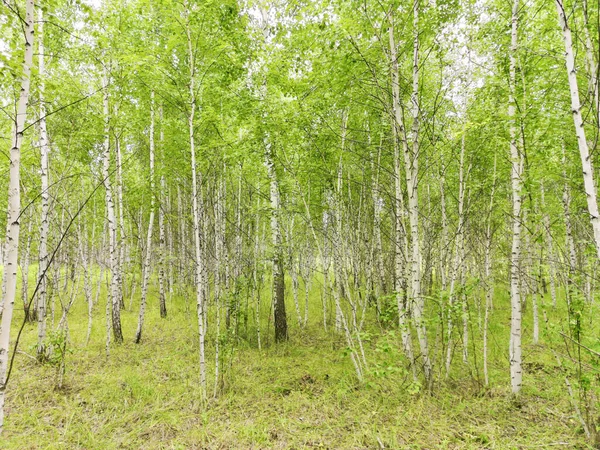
302 394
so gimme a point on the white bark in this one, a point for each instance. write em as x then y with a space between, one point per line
459 256
25 269
489 282
399 235
569 241
219 285
411 163
516 373
411 159
112 224
162 300
550 247
199 259
294 269
45 197
444 242
255 277
146 268
14 208
584 153
87 283
306 273
120 220
280 319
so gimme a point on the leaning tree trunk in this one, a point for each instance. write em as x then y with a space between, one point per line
14 209
584 153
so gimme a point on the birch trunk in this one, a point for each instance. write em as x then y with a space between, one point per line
120 220
255 276
412 183
14 208
326 265
278 291
29 316
584 153
399 236
294 269
550 247
146 268
87 283
570 243
45 197
307 274
516 373
444 242
457 266
199 260
411 163
162 299
218 275
489 282
112 224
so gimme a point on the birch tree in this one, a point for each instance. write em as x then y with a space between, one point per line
14 206
516 372
584 152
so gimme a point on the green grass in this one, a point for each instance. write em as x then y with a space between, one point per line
302 394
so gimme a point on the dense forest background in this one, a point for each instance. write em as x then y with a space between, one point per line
292 224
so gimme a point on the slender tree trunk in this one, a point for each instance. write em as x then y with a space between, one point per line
550 247
294 269
29 315
411 158
584 153
14 209
326 264
307 274
182 240
112 224
399 235
516 373
489 282
280 319
120 220
569 241
255 275
147 266
445 240
199 257
457 275
162 248
45 196
219 285
87 282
